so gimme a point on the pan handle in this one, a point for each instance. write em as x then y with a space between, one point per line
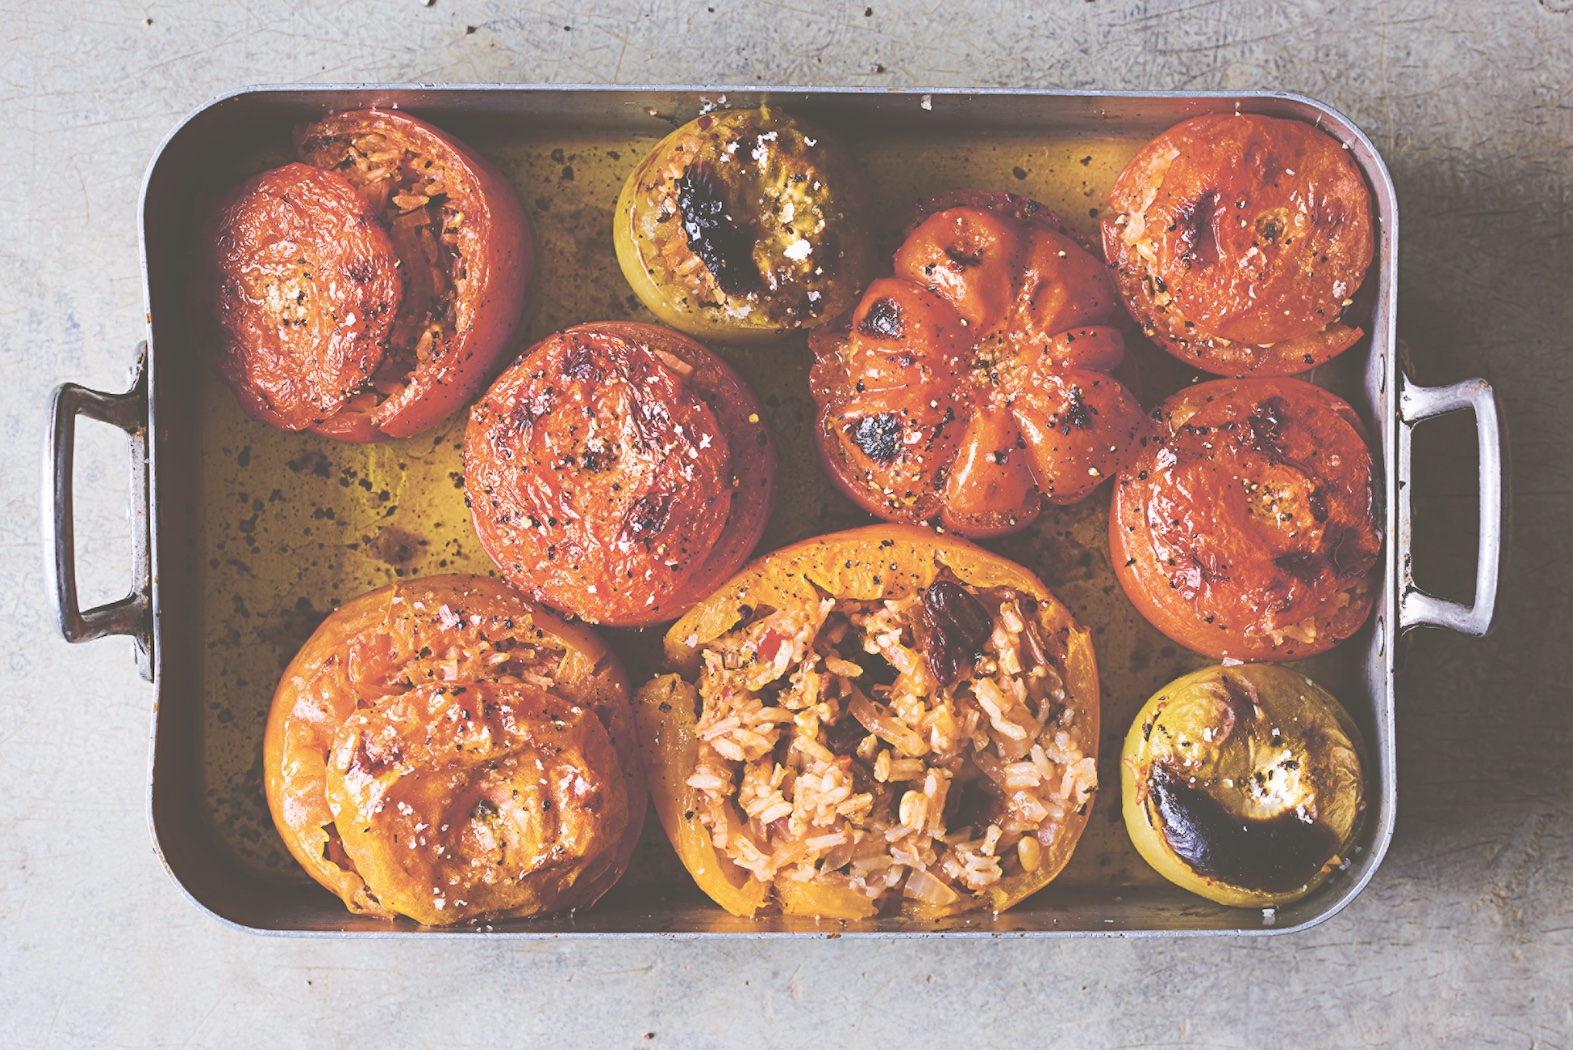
1416 608
132 614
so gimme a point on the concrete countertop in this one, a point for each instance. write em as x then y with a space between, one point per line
1464 939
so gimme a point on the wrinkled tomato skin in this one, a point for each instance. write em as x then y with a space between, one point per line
618 472
985 378
296 294
313 294
455 632
1249 527
1240 243
493 251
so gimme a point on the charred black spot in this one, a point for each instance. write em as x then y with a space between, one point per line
595 460
878 436
1269 228
723 244
883 319
1194 223
1266 422
1307 568
957 625
483 810
1317 501
360 271
1076 413
1274 855
647 516
963 260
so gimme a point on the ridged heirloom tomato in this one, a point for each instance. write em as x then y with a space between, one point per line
978 382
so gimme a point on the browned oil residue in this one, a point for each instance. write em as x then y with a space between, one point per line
294 524
396 546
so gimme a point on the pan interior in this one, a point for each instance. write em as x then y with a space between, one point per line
290 525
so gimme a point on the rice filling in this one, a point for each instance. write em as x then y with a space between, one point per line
917 747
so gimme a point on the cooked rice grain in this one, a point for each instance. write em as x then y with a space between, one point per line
830 755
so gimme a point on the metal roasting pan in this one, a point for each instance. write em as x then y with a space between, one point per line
228 581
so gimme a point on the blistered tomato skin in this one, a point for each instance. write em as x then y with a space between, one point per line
1240 241
618 472
743 225
1249 528
978 382
465 254
443 749
297 295
1244 784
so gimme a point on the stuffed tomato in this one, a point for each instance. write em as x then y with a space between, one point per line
980 381
1249 527
618 472
1240 243
369 290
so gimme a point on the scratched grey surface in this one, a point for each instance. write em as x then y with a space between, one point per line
1465 938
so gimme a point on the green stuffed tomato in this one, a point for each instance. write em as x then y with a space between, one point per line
1244 784
743 225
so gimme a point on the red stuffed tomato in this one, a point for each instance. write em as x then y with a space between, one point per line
465 253
978 382
1249 528
301 284
1239 242
369 291
619 471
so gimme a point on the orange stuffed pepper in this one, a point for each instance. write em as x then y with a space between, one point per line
879 721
